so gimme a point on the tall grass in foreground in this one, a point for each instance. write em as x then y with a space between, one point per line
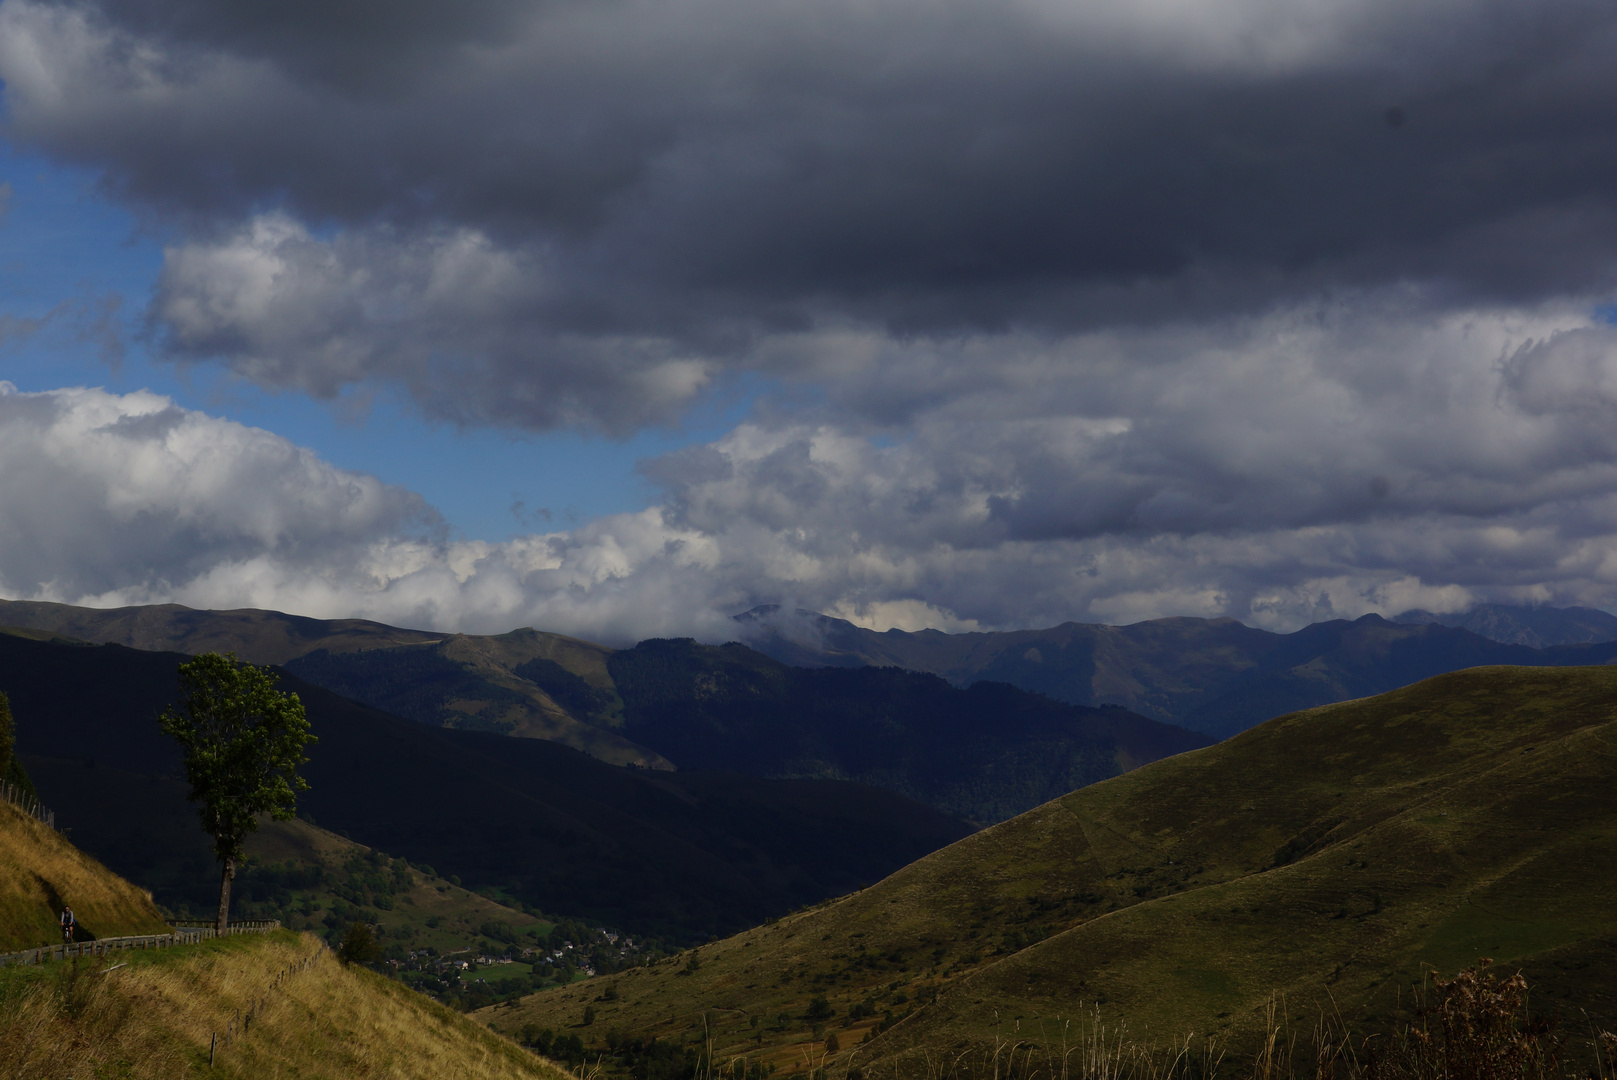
156 1016
1474 1026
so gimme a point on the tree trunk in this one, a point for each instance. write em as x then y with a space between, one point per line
225 877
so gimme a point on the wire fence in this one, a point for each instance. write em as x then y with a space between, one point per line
247 926
26 803
242 1022
185 933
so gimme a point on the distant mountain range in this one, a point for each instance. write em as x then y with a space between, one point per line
976 726
1216 676
680 855
779 707
1537 627
982 754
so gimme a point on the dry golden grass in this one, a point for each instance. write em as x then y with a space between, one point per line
280 1005
40 870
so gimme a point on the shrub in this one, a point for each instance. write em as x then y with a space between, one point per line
1479 1028
358 946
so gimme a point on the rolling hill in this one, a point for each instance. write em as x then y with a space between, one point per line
679 855
1216 676
1326 858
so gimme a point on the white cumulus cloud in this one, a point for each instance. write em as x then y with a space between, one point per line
1312 464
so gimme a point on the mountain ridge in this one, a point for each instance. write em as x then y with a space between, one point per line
1006 749
482 692
1538 627
1216 676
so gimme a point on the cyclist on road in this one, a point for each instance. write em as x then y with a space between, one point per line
69 923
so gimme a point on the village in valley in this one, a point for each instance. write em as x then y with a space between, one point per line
488 972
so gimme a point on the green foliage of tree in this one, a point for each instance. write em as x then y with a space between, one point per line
358 945
499 931
243 741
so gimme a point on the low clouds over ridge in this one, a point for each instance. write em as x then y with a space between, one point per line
1270 308
1430 487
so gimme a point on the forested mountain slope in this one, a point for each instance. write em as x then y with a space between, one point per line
986 753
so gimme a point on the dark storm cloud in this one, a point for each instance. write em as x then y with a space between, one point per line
705 171
356 43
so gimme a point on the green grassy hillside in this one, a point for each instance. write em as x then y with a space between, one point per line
312 879
40 871
1327 857
156 1016
262 1005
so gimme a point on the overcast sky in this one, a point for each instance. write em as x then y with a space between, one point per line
619 317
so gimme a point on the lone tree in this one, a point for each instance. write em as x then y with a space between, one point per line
358 946
243 742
